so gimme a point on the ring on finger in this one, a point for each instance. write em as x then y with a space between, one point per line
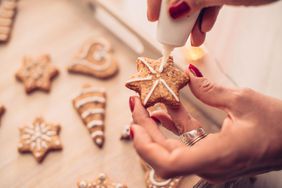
191 137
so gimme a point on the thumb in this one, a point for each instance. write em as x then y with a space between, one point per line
208 92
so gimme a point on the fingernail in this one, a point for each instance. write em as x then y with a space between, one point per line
195 71
131 133
178 9
131 103
156 120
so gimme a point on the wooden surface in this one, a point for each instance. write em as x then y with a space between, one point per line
59 28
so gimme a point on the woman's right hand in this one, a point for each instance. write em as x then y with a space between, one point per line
205 22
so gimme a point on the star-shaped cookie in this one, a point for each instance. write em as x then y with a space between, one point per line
39 138
36 74
101 182
155 86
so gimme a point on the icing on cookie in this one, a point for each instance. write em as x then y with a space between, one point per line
95 123
156 79
97 133
93 66
90 99
92 112
39 138
155 182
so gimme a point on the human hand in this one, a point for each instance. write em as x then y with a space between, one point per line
249 142
206 20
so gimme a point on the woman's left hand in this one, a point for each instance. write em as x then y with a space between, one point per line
249 142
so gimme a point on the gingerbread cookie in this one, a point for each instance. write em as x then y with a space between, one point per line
90 105
95 59
101 182
2 111
157 85
39 138
7 14
153 181
125 134
37 74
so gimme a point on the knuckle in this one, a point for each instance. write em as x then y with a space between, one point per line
206 86
164 172
242 95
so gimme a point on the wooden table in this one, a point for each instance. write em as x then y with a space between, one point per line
59 28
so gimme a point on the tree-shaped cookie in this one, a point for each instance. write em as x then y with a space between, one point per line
39 138
37 74
90 105
157 85
95 59
7 14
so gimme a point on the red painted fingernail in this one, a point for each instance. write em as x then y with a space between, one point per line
131 103
156 120
195 71
131 133
179 9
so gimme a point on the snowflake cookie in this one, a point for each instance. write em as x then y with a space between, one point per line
39 138
157 85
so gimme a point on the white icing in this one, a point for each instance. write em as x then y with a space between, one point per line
97 133
156 82
147 65
90 99
95 123
169 89
92 111
155 182
139 79
151 92
95 67
88 45
37 136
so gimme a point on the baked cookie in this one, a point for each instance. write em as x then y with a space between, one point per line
125 134
90 105
95 59
2 110
153 181
39 138
155 86
7 14
37 74
101 182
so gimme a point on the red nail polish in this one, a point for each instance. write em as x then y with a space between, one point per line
131 103
156 120
195 71
179 9
131 133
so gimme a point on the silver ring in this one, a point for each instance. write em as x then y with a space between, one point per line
191 137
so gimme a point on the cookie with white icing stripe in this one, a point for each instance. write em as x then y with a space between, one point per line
95 59
37 74
153 181
101 182
90 104
39 138
7 14
155 85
